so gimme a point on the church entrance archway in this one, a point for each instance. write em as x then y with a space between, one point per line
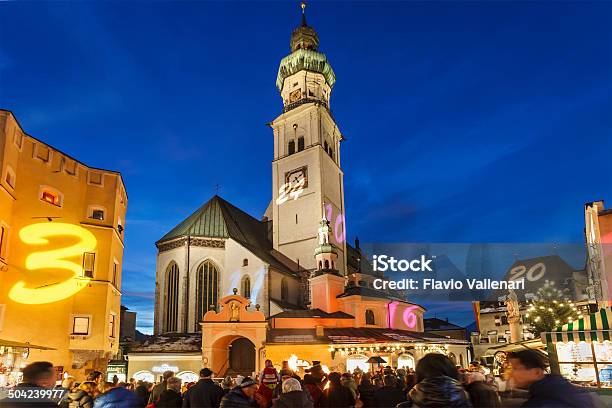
242 357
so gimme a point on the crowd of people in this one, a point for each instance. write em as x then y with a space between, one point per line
435 383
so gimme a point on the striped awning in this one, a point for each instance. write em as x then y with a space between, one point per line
594 327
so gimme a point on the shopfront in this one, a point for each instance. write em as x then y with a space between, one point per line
150 367
348 349
116 368
584 349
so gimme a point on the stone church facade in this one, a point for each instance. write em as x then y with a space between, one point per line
269 260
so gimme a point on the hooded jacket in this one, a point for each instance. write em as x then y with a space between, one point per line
439 392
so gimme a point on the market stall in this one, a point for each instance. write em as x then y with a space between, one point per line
13 357
584 350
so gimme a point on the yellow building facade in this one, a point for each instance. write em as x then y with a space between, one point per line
61 250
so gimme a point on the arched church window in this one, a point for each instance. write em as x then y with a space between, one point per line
326 264
300 143
171 298
207 290
284 290
320 265
369 317
245 262
246 287
291 147
325 146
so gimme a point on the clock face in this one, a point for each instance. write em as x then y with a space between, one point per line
295 95
297 177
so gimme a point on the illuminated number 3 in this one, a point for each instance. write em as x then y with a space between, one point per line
39 234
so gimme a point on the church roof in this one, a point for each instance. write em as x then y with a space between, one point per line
169 343
310 313
218 218
434 323
370 292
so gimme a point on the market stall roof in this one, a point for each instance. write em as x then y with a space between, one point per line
10 343
594 327
351 335
517 346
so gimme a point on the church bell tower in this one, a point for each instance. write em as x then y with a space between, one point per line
306 172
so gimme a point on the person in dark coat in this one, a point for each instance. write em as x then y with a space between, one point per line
547 390
159 388
205 393
117 397
38 375
482 395
366 391
315 391
171 397
337 395
293 396
242 396
389 395
410 380
437 385
142 392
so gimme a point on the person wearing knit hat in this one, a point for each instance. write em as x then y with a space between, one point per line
241 396
293 396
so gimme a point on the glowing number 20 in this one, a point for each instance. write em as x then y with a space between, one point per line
534 273
38 234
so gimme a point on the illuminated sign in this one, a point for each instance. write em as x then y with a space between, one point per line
164 367
42 234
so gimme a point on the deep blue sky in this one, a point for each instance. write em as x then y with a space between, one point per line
465 121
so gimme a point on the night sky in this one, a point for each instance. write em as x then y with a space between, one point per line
464 121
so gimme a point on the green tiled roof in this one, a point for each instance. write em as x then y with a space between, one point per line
206 221
220 219
308 60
